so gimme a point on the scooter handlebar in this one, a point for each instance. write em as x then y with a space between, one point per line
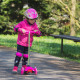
33 32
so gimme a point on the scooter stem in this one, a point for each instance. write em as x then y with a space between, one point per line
29 48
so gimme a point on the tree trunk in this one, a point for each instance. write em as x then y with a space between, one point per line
72 22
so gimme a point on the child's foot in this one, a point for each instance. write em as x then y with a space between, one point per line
15 69
24 66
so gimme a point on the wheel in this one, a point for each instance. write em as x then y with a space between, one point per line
22 70
35 69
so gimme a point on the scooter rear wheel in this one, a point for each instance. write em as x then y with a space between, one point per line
22 70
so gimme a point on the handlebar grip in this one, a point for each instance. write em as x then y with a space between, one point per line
32 32
27 32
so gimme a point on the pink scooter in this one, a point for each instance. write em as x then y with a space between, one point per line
29 69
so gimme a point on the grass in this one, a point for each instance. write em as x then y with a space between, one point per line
47 45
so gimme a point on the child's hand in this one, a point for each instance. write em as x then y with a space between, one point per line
23 30
35 30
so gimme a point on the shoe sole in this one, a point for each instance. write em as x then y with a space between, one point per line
14 72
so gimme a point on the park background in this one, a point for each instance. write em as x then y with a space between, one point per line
55 17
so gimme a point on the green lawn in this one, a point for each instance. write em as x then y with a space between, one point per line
47 45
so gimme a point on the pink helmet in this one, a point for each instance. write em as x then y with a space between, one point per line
31 13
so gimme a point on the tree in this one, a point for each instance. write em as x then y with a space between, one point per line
51 13
13 11
69 7
72 21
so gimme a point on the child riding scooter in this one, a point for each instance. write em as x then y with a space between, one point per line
27 25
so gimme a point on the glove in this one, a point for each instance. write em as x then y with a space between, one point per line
22 30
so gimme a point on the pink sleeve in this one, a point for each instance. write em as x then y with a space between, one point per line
18 28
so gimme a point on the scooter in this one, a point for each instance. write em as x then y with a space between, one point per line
29 69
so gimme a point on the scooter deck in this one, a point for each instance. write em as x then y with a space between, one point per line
29 70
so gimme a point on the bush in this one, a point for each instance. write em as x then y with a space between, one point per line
6 27
65 30
48 27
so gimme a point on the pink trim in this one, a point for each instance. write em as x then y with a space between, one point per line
19 54
25 55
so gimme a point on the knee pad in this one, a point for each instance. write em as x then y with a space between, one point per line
25 55
19 54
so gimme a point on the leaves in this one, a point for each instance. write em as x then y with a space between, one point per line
49 11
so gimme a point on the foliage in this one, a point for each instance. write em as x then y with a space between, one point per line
50 14
12 11
47 27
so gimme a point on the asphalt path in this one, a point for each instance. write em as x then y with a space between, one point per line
49 67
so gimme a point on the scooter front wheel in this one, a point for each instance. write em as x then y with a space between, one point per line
35 69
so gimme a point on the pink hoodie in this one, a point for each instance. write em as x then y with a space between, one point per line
23 38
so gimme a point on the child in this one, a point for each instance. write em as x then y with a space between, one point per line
28 24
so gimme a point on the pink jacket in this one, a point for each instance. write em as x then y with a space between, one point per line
23 38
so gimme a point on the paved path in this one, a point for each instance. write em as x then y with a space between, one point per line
49 67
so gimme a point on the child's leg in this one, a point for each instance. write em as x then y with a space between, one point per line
20 50
25 56
17 58
25 59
